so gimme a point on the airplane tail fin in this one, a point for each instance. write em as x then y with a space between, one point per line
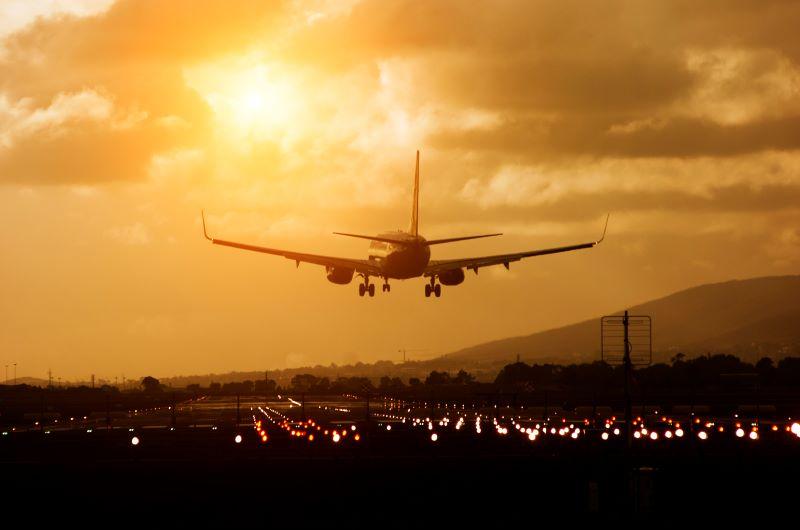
414 228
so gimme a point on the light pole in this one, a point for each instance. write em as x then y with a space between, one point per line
15 374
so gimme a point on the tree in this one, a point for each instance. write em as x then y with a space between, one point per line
437 378
150 384
464 378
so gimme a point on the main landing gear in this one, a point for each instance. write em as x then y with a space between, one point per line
434 288
367 287
386 287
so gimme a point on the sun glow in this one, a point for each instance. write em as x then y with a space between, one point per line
253 101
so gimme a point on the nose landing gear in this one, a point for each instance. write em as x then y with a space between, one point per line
433 288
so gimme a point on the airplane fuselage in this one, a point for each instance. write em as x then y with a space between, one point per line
401 261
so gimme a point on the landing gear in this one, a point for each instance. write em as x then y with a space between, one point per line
433 288
366 287
386 287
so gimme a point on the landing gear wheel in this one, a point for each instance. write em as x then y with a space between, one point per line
428 290
362 289
371 289
386 287
437 290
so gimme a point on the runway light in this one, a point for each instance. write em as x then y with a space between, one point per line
135 441
336 437
238 439
654 435
739 432
388 427
434 437
263 437
679 432
668 434
702 435
796 429
616 432
753 435
604 436
637 434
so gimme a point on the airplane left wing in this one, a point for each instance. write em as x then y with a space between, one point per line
436 267
359 265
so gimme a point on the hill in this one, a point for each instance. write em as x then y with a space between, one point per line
750 318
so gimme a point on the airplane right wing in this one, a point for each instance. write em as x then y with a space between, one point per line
436 267
359 265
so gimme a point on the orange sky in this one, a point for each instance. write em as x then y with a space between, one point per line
288 120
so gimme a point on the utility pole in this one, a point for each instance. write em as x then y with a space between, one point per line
238 416
15 374
49 378
626 364
92 380
174 417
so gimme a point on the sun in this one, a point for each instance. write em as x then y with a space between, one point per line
254 101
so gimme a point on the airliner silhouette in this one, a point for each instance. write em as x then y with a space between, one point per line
402 255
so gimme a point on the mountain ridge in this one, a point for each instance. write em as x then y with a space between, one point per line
754 316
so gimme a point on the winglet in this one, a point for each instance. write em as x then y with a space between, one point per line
205 233
604 231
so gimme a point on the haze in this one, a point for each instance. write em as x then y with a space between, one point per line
120 120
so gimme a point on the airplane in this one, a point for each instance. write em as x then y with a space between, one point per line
400 255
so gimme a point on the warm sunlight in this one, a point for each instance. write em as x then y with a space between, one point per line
250 100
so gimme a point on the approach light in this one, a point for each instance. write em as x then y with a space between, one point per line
702 435
238 439
753 435
135 441
679 432
739 432
434 437
604 436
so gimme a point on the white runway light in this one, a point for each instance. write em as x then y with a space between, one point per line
135 441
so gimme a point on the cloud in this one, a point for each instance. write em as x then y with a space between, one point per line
135 234
101 95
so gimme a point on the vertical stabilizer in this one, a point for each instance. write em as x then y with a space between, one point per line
414 229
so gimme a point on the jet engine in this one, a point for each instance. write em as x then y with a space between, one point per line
452 277
340 275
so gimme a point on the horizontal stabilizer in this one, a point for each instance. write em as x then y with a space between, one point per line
454 239
375 238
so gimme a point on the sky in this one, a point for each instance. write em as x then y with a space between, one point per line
287 120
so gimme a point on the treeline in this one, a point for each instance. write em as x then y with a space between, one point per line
711 371
312 384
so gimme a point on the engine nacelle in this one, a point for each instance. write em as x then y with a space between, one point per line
339 275
452 277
